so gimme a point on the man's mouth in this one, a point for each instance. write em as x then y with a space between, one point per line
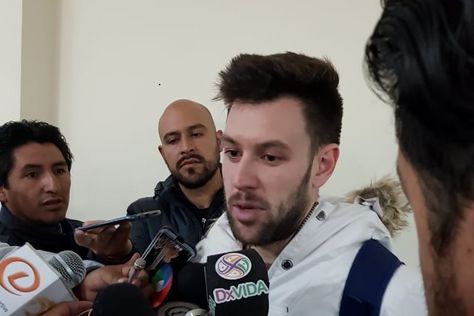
246 212
189 161
52 202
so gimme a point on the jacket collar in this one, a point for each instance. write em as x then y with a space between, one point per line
15 223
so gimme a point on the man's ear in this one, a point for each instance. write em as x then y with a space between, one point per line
3 194
324 162
160 149
219 139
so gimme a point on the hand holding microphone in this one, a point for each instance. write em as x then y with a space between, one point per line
100 278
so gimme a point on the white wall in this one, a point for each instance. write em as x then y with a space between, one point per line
119 63
39 60
10 59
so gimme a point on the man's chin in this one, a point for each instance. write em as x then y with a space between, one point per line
244 233
53 217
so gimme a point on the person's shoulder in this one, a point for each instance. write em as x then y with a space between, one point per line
149 203
143 204
350 216
4 233
3 228
8 236
74 222
405 293
344 226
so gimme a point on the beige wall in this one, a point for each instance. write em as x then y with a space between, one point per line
110 67
39 60
10 59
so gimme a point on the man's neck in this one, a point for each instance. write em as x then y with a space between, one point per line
202 197
464 259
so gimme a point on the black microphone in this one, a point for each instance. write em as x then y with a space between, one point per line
237 284
190 283
234 283
121 299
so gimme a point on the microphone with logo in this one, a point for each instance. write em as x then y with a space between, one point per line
29 285
237 284
233 283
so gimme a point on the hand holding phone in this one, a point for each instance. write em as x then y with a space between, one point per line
108 241
118 220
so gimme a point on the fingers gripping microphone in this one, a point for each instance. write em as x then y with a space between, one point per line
237 284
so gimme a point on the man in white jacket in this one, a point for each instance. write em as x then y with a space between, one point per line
280 145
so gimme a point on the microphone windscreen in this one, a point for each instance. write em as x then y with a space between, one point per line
121 299
191 284
70 267
237 284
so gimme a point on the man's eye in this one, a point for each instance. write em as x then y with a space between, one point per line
271 158
60 170
197 134
31 174
231 153
171 141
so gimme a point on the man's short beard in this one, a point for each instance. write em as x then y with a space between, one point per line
207 173
209 170
288 218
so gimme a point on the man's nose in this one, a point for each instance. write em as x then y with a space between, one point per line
187 145
245 174
50 182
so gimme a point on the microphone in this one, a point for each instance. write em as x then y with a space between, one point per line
121 299
237 284
191 284
70 267
234 283
29 285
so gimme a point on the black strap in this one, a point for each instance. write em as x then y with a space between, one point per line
371 271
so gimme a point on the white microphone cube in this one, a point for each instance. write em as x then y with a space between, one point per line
28 285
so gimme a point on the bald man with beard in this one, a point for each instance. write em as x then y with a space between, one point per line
192 197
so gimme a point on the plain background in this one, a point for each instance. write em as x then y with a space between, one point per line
103 71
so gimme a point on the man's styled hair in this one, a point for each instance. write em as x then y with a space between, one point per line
313 82
15 134
421 56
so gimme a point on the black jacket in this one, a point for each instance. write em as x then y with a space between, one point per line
177 212
57 238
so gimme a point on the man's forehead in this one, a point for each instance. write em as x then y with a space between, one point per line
182 122
257 142
37 154
182 128
266 123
